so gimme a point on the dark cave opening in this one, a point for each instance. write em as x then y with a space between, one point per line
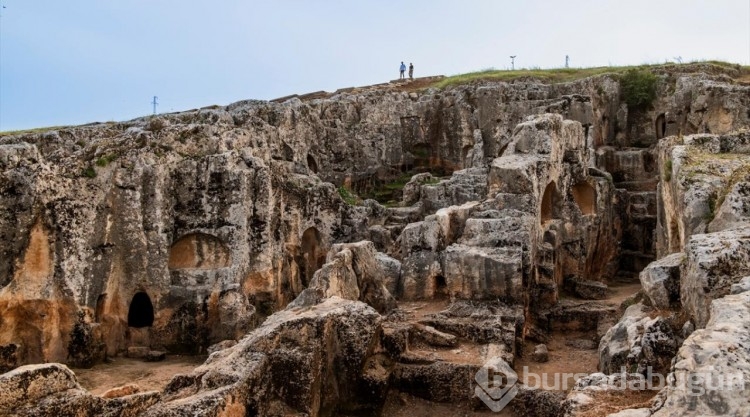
141 311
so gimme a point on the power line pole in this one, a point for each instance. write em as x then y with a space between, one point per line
155 103
512 62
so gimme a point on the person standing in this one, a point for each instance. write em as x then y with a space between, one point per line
402 69
411 71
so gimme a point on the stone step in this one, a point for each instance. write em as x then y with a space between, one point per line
638 186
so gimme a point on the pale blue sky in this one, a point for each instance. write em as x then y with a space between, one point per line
79 61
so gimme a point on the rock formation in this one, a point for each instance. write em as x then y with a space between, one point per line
512 205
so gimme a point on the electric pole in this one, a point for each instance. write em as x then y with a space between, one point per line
567 61
512 62
155 103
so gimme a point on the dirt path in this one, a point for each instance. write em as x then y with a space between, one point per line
150 376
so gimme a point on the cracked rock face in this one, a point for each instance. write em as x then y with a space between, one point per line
240 228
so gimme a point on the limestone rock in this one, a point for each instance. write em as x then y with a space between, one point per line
155 356
275 366
541 354
138 352
482 273
438 381
433 337
636 343
224 344
636 412
32 383
597 393
661 280
480 322
712 367
392 272
535 402
588 290
740 287
352 272
121 391
714 262
422 276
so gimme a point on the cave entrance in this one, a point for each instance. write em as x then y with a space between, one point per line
549 200
141 311
661 126
312 255
441 287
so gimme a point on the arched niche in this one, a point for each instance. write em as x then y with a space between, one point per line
660 126
549 202
287 153
312 255
585 197
141 311
311 164
199 251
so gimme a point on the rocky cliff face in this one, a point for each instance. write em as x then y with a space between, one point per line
179 231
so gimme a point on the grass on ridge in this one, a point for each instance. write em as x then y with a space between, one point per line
561 75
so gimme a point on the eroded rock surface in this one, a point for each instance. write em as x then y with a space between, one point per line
510 205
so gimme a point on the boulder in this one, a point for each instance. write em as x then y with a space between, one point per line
421 276
302 360
484 273
391 272
432 337
155 356
541 354
637 343
121 391
661 280
352 272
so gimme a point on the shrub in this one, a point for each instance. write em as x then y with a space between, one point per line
638 88
89 172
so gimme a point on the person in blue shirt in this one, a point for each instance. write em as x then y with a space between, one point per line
402 69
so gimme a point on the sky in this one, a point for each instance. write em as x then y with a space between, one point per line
80 61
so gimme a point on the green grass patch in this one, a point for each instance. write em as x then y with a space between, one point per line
348 196
89 172
105 160
561 75
33 130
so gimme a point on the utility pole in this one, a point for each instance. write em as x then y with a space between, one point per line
155 103
512 62
567 61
